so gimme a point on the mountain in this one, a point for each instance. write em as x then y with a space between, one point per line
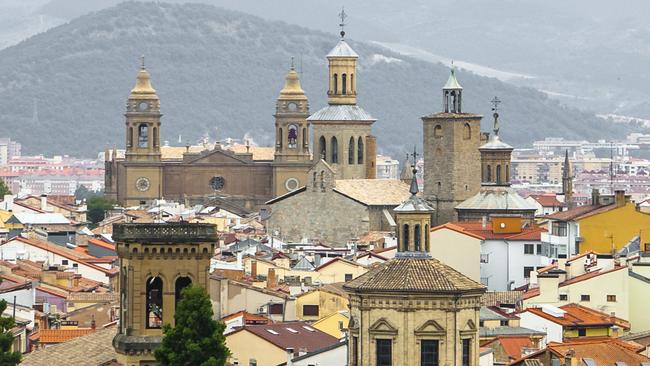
64 90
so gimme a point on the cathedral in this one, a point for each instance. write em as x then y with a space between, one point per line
342 138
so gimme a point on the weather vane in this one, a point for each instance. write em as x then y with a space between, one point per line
415 155
495 107
495 104
343 16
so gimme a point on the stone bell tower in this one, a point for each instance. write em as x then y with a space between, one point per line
156 262
292 157
452 166
343 130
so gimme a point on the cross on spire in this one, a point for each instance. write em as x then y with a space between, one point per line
495 107
292 67
343 16
142 62
414 155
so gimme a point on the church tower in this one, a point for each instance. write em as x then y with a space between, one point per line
413 309
157 261
567 182
142 158
292 157
342 130
452 167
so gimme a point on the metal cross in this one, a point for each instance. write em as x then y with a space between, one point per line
495 104
415 156
142 62
343 16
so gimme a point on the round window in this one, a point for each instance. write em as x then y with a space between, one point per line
291 184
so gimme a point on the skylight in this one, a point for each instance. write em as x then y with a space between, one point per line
292 330
309 328
272 331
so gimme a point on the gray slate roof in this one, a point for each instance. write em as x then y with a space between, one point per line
414 204
345 112
342 49
496 198
501 331
488 314
494 143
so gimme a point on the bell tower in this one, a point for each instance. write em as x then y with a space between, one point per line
157 261
292 158
142 166
143 120
452 165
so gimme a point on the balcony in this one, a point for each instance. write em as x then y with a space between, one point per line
165 233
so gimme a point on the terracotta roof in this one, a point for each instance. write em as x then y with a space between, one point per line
589 275
101 243
248 317
512 345
62 335
547 200
93 297
374 192
603 350
577 316
91 349
50 291
476 230
413 275
580 212
297 335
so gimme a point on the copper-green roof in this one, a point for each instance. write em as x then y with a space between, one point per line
414 275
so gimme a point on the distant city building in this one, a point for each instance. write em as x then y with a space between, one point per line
8 150
387 168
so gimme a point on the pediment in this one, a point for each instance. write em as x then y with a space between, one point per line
469 326
382 326
430 327
322 165
217 156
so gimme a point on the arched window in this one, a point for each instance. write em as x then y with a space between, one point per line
322 148
280 138
351 151
154 310
322 180
315 177
437 131
488 174
426 238
405 237
498 174
143 137
360 151
467 132
155 137
335 150
416 237
292 136
344 84
352 83
336 84
181 283
129 137
304 138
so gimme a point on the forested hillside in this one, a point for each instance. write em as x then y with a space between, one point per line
218 69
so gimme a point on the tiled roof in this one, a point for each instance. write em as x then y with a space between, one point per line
496 298
93 297
512 346
342 49
509 331
580 212
494 198
476 229
248 317
427 275
602 350
581 316
92 349
297 335
41 218
374 192
62 335
338 259
547 200
101 243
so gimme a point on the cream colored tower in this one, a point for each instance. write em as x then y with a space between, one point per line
156 262
142 160
342 130
413 309
292 157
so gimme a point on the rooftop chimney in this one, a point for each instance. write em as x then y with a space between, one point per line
595 196
254 269
619 196
271 280
43 202
9 202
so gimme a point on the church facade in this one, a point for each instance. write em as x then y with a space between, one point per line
342 133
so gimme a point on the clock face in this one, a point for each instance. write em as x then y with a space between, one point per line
217 182
142 184
143 106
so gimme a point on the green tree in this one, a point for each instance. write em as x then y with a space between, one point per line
3 188
7 358
97 207
197 339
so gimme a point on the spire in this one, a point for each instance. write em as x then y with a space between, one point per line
452 82
414 181
494 142
407 174
452 94
292 88
143 83
566 169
